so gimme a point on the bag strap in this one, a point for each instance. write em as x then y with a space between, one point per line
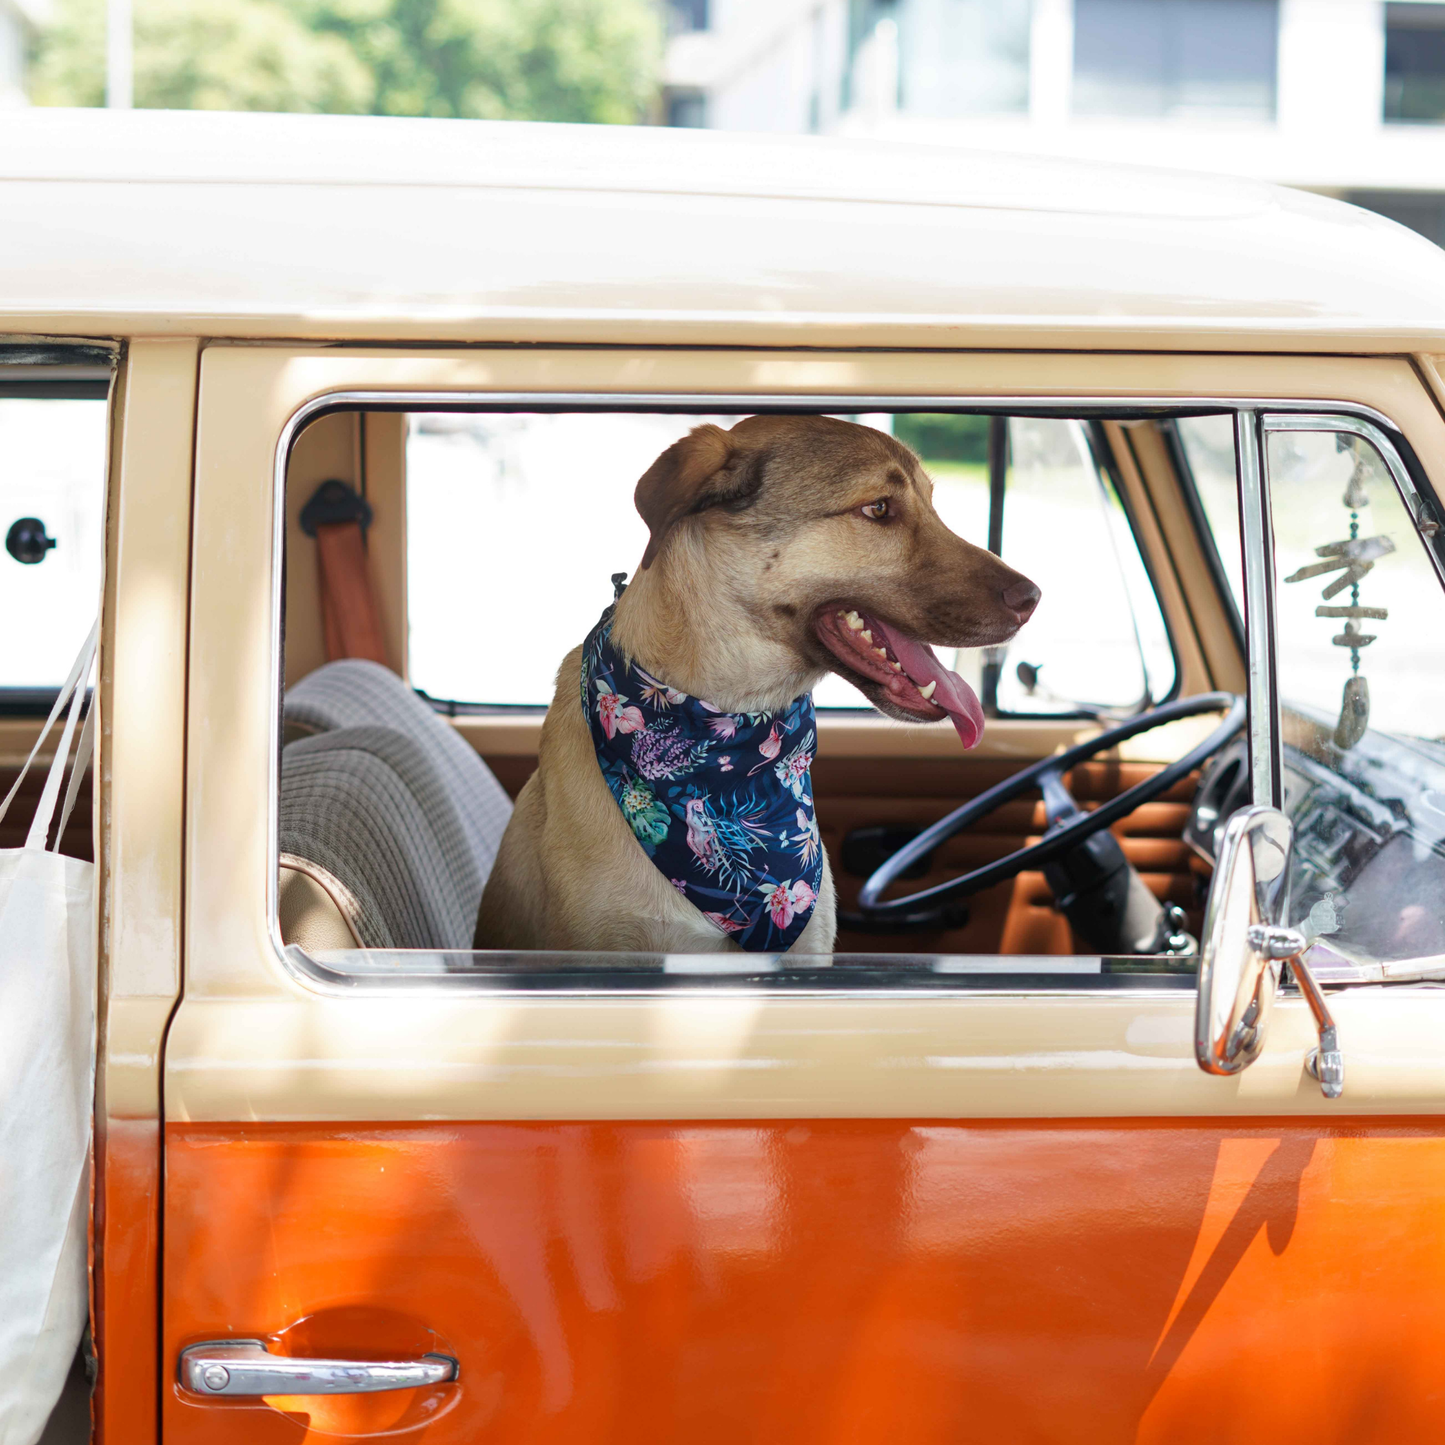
83 751
72 691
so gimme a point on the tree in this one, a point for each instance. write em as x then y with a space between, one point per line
203 55
571 60
574 60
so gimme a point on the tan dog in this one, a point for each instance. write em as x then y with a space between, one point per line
780 550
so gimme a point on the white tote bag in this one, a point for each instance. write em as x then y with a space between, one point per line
47 1071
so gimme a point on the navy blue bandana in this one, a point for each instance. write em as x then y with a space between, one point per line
721 802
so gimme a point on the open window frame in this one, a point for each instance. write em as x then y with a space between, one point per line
43 372
619 974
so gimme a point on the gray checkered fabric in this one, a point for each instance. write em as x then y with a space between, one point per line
370 807
353 693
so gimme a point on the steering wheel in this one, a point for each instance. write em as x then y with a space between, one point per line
1068 826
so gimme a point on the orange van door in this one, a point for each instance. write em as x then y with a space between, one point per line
412 1200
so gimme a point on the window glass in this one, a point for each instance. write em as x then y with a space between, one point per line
478 487
686 16
1098 639
1358 659
476 484
686 108
515 522
1208 446
54 451
1422 211
1414 63
939 57
1180 58
964 57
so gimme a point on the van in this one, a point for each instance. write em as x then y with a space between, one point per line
1006 1164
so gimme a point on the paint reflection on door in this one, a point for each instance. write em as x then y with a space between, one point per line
837 1281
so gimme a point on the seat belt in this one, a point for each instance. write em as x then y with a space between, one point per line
337 517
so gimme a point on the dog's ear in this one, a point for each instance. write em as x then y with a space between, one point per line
705 469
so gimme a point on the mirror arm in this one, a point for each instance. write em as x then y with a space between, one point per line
1324 1063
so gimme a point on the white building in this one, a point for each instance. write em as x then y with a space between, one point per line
1341 96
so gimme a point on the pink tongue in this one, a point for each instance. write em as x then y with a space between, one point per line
953 694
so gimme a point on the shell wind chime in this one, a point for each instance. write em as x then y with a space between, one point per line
1352 559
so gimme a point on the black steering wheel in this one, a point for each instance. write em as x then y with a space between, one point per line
1069 824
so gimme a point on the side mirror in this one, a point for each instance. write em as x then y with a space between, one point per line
1245 943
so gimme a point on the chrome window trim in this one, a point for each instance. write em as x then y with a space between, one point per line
550 974
316 978
1419 507
1266 765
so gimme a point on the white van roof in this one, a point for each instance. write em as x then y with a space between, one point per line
345 227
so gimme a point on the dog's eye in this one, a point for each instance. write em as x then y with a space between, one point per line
876 511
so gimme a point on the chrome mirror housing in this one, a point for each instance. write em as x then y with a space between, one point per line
1246 942
1239 961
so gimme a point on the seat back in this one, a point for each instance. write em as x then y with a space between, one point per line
353 693
366 813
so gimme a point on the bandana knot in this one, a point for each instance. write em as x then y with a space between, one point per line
721 802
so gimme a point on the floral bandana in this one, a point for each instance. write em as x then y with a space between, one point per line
721 802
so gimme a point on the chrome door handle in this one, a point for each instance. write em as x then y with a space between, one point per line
247 1367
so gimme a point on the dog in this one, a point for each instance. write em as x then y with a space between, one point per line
779 550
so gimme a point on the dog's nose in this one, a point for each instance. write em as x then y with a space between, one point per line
1021 599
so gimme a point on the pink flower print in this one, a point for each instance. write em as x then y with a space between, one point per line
787 901
679 885
723 726
701 835
616 716
792 772
770 747
728 925
725 763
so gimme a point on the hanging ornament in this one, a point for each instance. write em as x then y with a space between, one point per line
1354 713
1352 559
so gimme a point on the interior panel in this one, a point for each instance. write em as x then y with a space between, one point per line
1013 917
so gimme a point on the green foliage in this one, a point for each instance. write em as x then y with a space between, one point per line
203 55
566 60
944 436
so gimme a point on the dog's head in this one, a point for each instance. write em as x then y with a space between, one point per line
823 533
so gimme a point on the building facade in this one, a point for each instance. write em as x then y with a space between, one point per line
1345 97
18 22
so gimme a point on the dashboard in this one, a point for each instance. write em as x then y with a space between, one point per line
1367 880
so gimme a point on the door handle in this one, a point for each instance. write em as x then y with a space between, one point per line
247 1367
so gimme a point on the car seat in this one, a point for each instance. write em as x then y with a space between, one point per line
389 821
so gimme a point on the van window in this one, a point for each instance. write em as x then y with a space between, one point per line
1359 608
1206 450
1097 642
522 517
52 503
505 527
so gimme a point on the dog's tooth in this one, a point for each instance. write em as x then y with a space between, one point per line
881 651
894 665
853 620
927 692
867 636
